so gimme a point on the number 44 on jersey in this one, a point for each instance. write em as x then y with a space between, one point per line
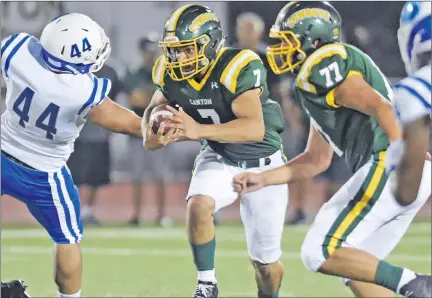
47 119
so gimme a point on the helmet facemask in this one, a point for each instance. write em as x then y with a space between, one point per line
187 68
286 55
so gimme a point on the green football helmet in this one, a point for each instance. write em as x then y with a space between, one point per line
191 26
302 27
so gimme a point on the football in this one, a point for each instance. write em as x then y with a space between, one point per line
158 117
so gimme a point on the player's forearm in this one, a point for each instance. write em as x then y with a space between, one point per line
410 169
236 131
116 118
388 122
303 166
129 124
409 177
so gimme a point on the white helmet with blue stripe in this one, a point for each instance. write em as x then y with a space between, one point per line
414 34
74 43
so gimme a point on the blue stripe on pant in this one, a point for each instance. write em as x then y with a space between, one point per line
51 198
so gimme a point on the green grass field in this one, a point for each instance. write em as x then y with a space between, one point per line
156 262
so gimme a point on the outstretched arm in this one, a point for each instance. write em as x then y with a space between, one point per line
315 159
355 93
116 118
410 170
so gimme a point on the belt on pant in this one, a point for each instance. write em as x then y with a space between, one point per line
254 163
17 161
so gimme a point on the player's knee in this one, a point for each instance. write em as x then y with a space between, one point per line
265 255
265 270
200 207
405 200
67 259
311 255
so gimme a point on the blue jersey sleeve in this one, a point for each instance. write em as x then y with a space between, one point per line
100 89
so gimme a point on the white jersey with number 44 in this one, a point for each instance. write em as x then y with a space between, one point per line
45 110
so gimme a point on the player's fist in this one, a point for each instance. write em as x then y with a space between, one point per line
189 128
248 182
162 138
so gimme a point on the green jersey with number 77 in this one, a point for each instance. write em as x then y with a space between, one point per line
347 99
351 134
209 101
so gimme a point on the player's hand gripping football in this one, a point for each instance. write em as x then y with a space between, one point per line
188 127
248 182
160 139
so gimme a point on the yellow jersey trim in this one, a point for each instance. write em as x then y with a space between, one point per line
199 85
235 66
330 97
158 71
314 59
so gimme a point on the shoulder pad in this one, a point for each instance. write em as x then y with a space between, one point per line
158 72
324 69
9 47
95 92
412 98
232 70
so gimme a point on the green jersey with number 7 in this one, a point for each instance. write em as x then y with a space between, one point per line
348 131
208 101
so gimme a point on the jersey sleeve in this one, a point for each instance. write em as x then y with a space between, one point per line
9 47
323 71
96 91
244 72
412 99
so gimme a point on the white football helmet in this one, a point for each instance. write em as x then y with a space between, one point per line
74 43
414 34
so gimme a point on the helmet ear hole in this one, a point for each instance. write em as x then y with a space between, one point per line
220 43
317 43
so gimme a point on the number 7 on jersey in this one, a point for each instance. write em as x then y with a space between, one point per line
257 73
